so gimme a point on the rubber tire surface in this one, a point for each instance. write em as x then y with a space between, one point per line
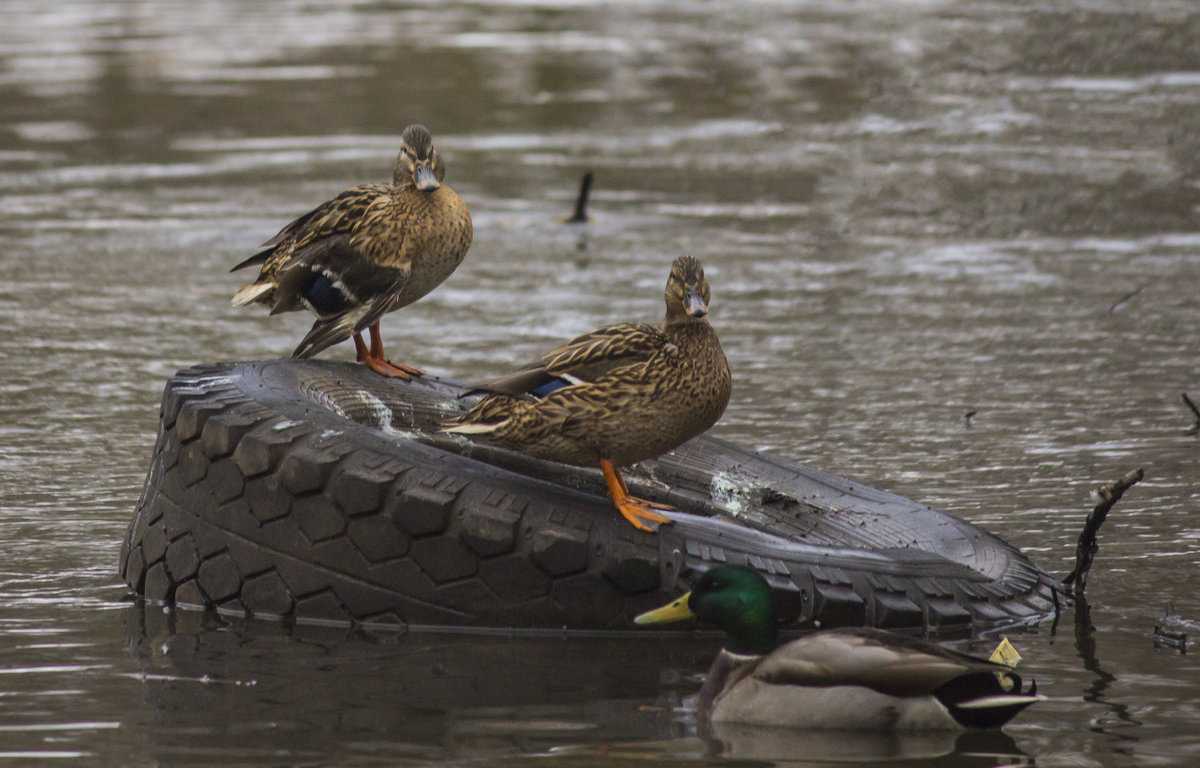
319 492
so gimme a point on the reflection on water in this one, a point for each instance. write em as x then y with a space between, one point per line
975 748
908 213
418 696
470 699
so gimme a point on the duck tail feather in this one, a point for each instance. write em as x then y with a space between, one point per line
248 294
992 711
324 334
1005 700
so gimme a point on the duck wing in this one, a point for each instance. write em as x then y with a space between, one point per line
894 666
342 214
583 359
346 291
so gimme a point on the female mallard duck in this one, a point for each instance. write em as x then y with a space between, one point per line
846 678
617 395
372 249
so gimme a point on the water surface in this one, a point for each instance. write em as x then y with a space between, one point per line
909 212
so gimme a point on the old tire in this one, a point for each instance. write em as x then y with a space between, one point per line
319 492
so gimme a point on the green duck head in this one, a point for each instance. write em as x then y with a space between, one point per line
687 291
734 598
418 162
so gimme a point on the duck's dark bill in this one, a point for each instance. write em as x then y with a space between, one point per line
425 179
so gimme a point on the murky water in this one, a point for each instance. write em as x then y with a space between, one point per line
909 212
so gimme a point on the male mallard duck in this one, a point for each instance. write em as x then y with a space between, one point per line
617 395
845 678
372 249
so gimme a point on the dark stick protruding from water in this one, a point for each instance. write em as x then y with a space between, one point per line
585 187
1129 296
1195 412
1085 550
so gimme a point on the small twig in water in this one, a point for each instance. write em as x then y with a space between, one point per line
1085 550
1195 413
585 187
1131 294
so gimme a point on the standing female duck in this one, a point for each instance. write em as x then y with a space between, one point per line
837 679
372 249
618 395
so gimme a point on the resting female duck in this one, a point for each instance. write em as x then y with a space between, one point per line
372 249
615 396
845 679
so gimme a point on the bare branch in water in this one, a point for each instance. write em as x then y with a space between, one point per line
585 186
1131 294
1085 550
1195 412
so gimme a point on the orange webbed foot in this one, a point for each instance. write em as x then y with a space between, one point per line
651 504
642 517
639 512
378 362
386 367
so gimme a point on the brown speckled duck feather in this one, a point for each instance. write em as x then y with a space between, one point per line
586 357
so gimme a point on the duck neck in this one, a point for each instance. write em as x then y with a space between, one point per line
750 639
677 316
685 328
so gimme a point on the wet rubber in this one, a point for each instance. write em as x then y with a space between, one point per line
321 492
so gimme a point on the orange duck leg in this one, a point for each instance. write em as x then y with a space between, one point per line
375 359
637 511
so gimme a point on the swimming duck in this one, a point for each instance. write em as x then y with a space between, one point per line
372 249
843 679
618 395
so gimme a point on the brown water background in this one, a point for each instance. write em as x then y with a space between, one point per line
908 210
